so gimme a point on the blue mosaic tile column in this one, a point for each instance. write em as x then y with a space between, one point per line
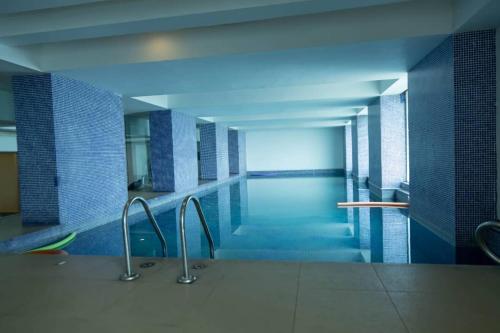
224 207
214 157
237 152
174 164
354 145
452 120
389 236
71 151
362 219
348 150
387 145
360 169
233 151
242 150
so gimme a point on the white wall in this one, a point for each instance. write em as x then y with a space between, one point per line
295 149
6 105
8 142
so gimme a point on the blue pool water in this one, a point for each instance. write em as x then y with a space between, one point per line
279 219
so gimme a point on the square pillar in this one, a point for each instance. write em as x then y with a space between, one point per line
452 129
214 157
360 150
242 150
174 164
387 145
237 152
71 151
233 151
348 150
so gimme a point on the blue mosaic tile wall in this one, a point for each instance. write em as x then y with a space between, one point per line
475 131
361 164
348 150
389 236
432 141
362 218
174 160
233 150
71 146
185 151
375 145
36 149
452 96
387 144
354 143
161 145
242 149
214 157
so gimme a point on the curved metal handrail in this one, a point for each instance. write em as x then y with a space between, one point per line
187 278
482 243
129 275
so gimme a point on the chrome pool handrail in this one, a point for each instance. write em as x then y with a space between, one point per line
187 278
129 275
482 243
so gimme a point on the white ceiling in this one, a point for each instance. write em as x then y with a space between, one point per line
250 64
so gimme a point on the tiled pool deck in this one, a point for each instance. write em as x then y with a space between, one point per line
84 295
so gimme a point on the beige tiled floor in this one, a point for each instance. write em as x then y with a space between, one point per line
38 294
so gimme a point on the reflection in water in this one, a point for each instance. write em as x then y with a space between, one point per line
362 222
350 197
281 219
389 236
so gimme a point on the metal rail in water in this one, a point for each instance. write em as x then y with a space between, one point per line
129 274
186 277
495 225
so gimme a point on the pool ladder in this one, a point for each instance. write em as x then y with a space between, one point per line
130 275
186 277
495 225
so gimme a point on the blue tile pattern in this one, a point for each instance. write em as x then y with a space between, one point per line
174 163
233 151
348 150
475 131
36 149
387 144
185 151
242 150
83 150
354 144
375 144
432 141
161 145
389 236
452 95
214 157
360 169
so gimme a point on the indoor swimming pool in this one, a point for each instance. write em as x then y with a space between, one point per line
288 219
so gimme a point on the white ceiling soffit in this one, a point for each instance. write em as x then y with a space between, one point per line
373 61
341 92
60 20
395 21
22 6
245 63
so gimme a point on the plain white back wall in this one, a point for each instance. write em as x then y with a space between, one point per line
295 149
8 142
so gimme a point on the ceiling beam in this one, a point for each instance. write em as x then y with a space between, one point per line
395 21
94 19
